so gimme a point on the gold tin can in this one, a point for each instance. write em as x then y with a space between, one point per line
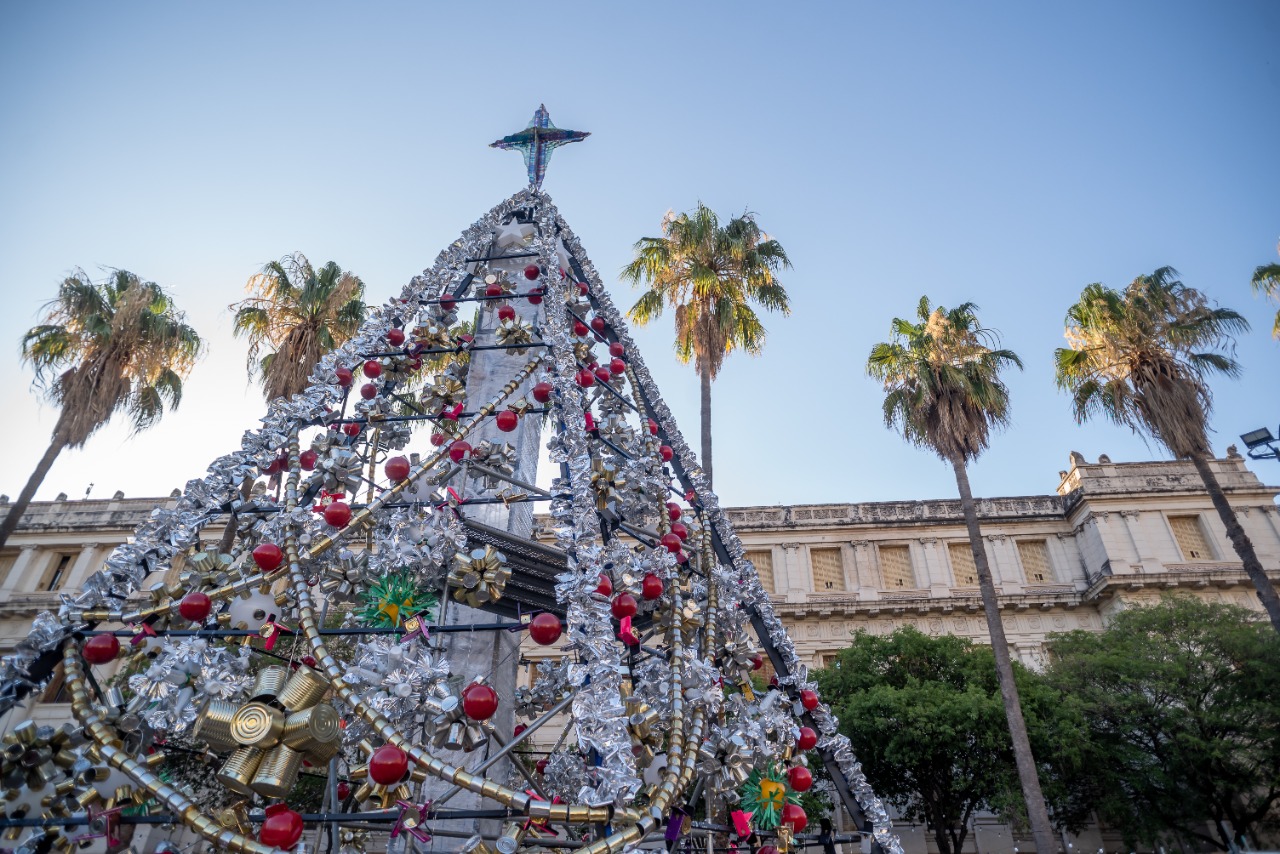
277 772
305 688
257 725
308 729
237 772
213 724
269 682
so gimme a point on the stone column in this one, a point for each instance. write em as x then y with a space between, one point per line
14 581
799 581
83 566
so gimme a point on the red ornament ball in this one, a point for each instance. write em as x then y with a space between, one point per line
680 531
653 427
437 439
541 766
397 469
268 556
494 290
598 324
757 661
101 649
344 791
666 453
195 606
800 778
586 378
793 814
507 420
602 374
809 699
808 739
506 312
282 827
542 392
368 391
624 605
580 328
670 542
545 629
459 451
395 336
583 290
479 702
651 586
616 350
344 375
535 296
373 369
518 731
388 765
532 272
617 366
605 587
308 459
352 429
337 513
673 510
448 303
309 660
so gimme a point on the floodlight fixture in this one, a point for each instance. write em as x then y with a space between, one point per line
1259 444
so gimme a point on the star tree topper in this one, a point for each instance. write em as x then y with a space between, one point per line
537 141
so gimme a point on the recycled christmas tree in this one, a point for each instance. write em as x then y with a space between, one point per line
337 627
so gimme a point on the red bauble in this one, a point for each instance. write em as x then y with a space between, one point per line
809 699
395 336
617 350
101 649
459 450
532 272
506 312
586 378
309 660
535 296
617 366
542 392
282 828
308 459
195 606
368 391
666 453
494 290
545 629
397 469
680 531
793 814
808 739
448 303
373 369
653 427
268 556
507 420
624 605
598 324
479 702
541 766
757 661
337 513
651 586
344 376
437 439
580 328
518 731
588 421
344 791
800 778
673 510
602 374
583 290
670 542
773 681
352 429
605 587
388 765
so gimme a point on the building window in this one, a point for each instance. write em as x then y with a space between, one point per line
828 570
962 564
56 575
762 559
895 567
1035 561
7 559
829 659
1190 536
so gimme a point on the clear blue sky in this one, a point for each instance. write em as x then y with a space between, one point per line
1004 153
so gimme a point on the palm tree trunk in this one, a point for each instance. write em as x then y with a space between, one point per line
1239 540
1041 830
19 508
706 424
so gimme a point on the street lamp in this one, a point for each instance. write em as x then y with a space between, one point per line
1256 440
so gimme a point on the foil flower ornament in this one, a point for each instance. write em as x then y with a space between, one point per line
479 576
445 391
515 333
500 457
341 470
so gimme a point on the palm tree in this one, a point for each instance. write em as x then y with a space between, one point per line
104 347
710 275
1266 281
943 392
299 314
1141 357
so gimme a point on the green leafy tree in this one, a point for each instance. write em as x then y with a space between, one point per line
943 392
1142 357
1266 281
118 345
1180 700
298 314
926 718
709 275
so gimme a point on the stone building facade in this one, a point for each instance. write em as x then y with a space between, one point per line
1111 535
